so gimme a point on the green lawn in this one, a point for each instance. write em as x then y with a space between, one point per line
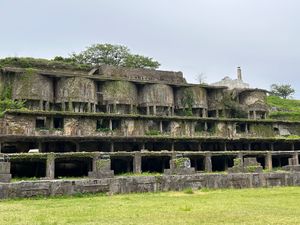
288 109
247 206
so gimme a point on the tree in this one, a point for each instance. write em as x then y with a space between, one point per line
201 78
116 55
283 91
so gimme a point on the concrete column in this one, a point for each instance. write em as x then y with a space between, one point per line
115 108
249 146
207 163
172 111
272 146
40 146
225 146
137 163
107 108
172 146
143 145
199 146
293 146
268 161
241 157
112 148
110 124
94 107
205 126
154 110
47 106
70 106
148 110
41 105
131 109
246 128
89 107
160 127
254 115
296 157
63 106
217 113
50 166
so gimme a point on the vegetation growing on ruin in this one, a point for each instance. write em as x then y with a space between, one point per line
53 64
153 132
279 205
187 102
234 108
284 109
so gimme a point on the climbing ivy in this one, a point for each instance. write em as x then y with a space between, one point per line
187 102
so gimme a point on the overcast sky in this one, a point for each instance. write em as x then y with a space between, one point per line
193 36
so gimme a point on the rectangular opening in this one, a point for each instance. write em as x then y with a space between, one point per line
166 126
211 127
40 122
212 113
58 123
240 128
200 127
102 125
116 124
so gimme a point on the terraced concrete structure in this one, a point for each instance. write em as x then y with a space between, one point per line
139 118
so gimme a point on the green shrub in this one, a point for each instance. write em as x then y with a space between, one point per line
153 132
188 191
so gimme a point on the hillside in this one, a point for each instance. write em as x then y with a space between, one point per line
284 109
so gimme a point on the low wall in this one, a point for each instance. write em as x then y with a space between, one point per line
147 184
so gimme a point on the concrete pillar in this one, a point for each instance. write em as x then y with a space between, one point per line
268 161
172 112
50 166
115 108
148 110
41 105
89 107
160 127
143 145
94 107
249 146
40 146
254 114
205 126
199 146
137 163
107 108
63 106
241 157
207 163
172 146
110 124
47 106
293 146
154 110
112 149
272 146
296 157
246 128
217 113
225 146
70 106
131 109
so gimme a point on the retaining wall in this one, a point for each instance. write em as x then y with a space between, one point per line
147 184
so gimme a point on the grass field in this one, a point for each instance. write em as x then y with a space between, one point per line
247 206
288 109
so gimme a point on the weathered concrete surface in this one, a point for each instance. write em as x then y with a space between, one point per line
147 184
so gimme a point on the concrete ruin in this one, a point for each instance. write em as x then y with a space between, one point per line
139 118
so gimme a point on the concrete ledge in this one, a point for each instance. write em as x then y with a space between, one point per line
147 184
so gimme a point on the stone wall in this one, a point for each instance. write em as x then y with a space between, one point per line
147 184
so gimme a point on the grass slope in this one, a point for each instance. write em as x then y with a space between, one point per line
247 206
288 109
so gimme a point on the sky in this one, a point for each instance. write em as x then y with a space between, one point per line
210 37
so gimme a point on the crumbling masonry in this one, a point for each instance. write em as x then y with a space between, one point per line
139 119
